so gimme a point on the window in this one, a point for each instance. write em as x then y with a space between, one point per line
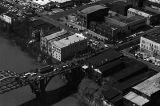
142 45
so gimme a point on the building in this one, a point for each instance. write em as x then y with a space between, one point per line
67 47
136 3
120 7
152 18
133 99
150 46
152 5
93 13
44 43
144 93
67 4
117 27
44 2
155 1
125 25
104 57
117 82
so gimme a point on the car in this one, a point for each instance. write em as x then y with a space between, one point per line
120 42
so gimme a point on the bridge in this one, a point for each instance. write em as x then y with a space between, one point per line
38 79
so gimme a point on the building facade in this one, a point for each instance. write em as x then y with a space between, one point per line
45 40
151 16
67 47
120 7
150 47
93 13
118 27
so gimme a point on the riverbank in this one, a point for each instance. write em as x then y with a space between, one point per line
32 50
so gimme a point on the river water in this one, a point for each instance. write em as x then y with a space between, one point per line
12 58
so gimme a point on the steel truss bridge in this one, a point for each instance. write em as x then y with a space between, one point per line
37 81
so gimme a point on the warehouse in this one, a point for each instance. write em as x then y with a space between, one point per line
104 57
120 7
111 67
93 13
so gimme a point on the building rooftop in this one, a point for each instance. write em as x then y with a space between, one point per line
122 3
106 56
155 1
69 40
133 97
44 2
142 12
36 22
149 86
155 36
54 35
92 9
120 20
109 25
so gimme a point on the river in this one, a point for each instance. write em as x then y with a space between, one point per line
12 58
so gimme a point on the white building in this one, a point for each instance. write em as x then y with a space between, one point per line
133 99
151 45
155 1
68 47
46 39
44 2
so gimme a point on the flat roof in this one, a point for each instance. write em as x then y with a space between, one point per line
130 71
155 1
93 9
132 81
106 56
122 20
36 22
44 2
149 86
54 35
110 93
133 18
69 40
153 36
109 66
122 3
133 97
142 12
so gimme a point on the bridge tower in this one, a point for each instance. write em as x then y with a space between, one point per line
73 76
